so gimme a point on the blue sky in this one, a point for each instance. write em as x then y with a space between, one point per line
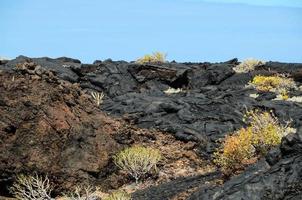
187 30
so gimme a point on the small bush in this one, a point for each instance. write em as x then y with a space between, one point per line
263 133
172 90
267 131
119 195
137 161
156 57
279 84
32 188
98 97
248 65
82 193
235 150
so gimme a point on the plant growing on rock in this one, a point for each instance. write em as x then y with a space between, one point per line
98 97
32 188
119 195
156 57
137 161
254 95
82 193
267 130
172 90
236 150
279 84
262 134
248 65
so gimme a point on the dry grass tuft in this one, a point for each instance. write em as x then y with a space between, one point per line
248 65
156 57
119 195
82 193
173 90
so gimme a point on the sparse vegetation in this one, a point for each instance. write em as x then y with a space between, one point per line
119 195
98 97
263 133
248 65
82 193
39 188
172 90
137 161
156 57
74 144
32 188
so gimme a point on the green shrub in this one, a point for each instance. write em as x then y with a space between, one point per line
137 161
156 57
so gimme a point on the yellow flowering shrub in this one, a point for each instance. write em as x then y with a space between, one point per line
279 84
156 57
266 128
235 149
263 133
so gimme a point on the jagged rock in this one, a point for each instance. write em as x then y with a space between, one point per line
171 189
277 177
211 104
51 127
60 66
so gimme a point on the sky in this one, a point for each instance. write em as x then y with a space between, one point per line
187 30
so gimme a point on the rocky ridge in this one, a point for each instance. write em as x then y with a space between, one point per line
211 104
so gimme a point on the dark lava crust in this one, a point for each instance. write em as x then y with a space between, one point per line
211 105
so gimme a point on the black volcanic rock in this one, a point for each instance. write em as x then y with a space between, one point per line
211 105
60 66
262 181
